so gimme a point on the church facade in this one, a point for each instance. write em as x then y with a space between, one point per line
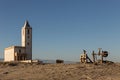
23 52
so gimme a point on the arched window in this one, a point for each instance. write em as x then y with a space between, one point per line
28 43
28 31
19 50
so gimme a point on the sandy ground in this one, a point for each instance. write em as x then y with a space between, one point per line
15 71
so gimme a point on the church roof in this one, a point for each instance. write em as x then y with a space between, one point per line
11 47
26 24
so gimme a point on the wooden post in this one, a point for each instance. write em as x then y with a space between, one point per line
101 58
93 54
85 56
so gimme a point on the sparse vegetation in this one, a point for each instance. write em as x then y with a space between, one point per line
33 71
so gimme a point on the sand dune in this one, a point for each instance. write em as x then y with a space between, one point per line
22 71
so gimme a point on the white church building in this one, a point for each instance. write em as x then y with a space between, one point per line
23 52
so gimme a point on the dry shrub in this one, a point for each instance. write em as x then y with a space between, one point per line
59 61
12 64
95 63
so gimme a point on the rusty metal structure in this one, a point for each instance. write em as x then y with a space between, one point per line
102 54
84 58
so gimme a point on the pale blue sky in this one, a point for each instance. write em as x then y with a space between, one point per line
62 28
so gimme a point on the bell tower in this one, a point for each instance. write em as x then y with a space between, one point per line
26 34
